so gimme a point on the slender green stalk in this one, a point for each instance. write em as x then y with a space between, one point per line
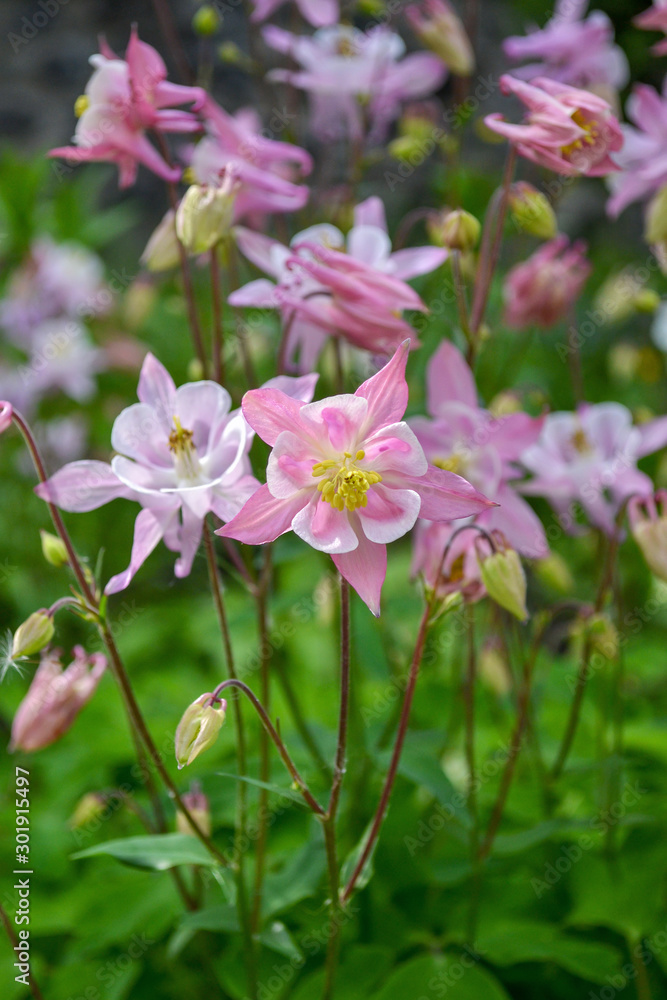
219 373
11 934
490 250
265 650
471 797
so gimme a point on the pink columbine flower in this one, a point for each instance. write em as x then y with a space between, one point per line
654 19
463 437
572 49
447 561
55 698
6 415
326 285
319 13
643 160
266 170
124 98
353 76
347 475
588 460
181 454
540 290
567 130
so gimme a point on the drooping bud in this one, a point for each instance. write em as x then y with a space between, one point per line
6 414
459 230
55 698
531 211
439 28
655 230
493 667
554 573
206 21
53 549
504 578
646 301
33 635
161 251
599 632
198 729
648 523
198 806
87 810
205 214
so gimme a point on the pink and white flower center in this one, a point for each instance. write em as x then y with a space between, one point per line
186 461
342 483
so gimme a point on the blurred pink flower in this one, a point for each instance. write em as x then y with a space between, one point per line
589 458
123 98
439 28
654 19
464 438
319 13
355 79
181 454
571 49
55 698
643 159
347 475
460 572
327 285
540 290
265 169
6 415
567 130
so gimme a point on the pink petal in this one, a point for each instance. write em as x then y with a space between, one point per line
191 531
386 391
258 294
446 496
365 568
325 528
449 379
156 388
290 466
301 387
83 486
518 522
371 213
141 433
653 436
263 518
148 530
409 263
270 412
395 449
389 513
335 421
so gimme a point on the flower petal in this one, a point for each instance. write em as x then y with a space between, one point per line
446 496
386 391
325 528
148 530
270 412
190 537
263 518
364 568
395 448
83 486
389 513
449 378
156 388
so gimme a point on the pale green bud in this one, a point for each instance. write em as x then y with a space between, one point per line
656 218
459 230
87 810
505 581
161 252
198 729
33 635
53 549
531 211
205 214
206 21
555 573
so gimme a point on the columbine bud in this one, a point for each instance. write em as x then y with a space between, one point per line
493 667
646 301
35 633
198 729
599 631
655 230
439 28
55 698
555 573
197 805
206 21
531 211
53 549
87 810
459 230
161 251
6 414
205 214
504 578
648 523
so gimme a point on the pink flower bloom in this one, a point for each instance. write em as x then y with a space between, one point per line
347 475
539 291
439 28
319 13
55 698
6 415
460 572
464 438
352 75
57 279
589 459
567 130
123 98
327 285
571 49
181 454
654 19
643 159
266 170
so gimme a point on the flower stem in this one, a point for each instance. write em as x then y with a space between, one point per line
396 754
11 934
471 797
241 792
219 373
490 250
265 650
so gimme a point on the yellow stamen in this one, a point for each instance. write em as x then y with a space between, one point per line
348 485
580 442
590 127
181 445
81 104
452 463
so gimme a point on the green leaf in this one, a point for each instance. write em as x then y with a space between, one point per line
433 976
286 793
361 968
279 939
299 879
515 843
156 852
351 861
529 941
